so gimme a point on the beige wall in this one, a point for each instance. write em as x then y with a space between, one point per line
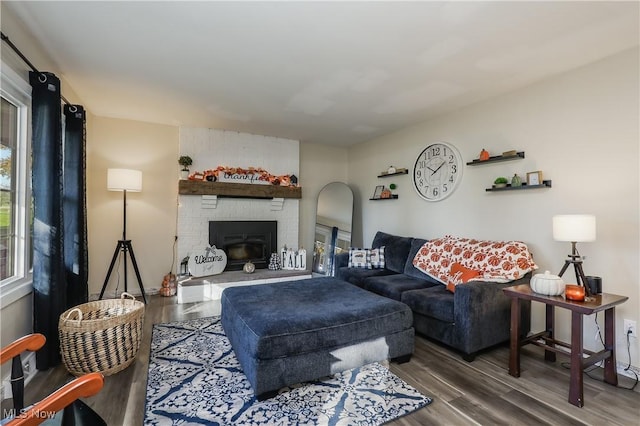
580 128
151 214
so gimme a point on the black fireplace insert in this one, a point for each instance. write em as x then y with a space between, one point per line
244 240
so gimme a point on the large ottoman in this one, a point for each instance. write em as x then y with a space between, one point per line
291 332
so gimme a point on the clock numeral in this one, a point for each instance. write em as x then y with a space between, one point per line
444 188
435 151
450 159
451 178
435 191
454 168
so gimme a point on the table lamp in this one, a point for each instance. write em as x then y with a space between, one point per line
575 228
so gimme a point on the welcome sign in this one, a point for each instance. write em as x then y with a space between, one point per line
207 261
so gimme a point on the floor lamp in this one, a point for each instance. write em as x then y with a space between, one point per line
575 228
124 180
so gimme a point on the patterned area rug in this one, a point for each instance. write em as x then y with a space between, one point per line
195 379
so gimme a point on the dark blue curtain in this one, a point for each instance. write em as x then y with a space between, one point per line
74 206
52 293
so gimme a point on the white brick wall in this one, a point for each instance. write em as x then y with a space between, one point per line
211 148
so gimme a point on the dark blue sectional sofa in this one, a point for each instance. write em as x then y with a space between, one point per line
475 317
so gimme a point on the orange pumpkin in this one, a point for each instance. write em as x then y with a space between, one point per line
168 287
167 291
484 155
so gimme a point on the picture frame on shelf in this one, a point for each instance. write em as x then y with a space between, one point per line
534 178
377 193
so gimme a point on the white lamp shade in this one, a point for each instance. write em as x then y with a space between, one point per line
124 179
574 227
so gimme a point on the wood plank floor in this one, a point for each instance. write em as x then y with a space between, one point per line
477 393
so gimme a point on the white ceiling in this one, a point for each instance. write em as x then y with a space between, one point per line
323 72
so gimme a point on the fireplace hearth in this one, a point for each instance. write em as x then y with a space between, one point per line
245 240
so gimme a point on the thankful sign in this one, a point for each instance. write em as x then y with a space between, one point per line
250 178
207 261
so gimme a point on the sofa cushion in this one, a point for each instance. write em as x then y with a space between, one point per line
435 302
412 271
370 258
376 256
356 276
393 286
359 258
396 250
498 261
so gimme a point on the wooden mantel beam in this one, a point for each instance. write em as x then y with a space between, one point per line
241 190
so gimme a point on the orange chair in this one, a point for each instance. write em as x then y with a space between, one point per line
65 398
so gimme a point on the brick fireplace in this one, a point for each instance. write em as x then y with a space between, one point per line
210 148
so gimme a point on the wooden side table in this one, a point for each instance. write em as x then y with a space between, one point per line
601 302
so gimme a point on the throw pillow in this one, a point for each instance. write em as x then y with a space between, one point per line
359 258
497 261
460 275
377 257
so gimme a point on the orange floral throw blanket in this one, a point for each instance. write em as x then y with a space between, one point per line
495 261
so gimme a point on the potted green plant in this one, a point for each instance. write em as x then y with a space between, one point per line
185 161
500 182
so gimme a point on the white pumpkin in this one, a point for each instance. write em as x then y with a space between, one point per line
547 283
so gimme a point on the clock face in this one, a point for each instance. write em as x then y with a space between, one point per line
437 172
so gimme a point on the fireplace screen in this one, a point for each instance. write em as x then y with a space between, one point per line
244 240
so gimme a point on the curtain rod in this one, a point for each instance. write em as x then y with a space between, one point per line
26 61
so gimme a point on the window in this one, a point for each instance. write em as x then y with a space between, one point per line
8 144
15 181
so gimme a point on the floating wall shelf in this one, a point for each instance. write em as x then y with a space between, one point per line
393 197
238 190
498 158
398 172
545 184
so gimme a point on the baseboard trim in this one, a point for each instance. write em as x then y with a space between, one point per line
111 295
622 370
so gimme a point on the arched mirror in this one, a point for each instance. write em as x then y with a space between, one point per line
333 226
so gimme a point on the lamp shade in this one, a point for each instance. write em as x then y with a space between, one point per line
574 227
124 180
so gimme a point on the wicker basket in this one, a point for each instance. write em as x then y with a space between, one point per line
102 336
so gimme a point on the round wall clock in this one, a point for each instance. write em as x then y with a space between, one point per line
437 171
